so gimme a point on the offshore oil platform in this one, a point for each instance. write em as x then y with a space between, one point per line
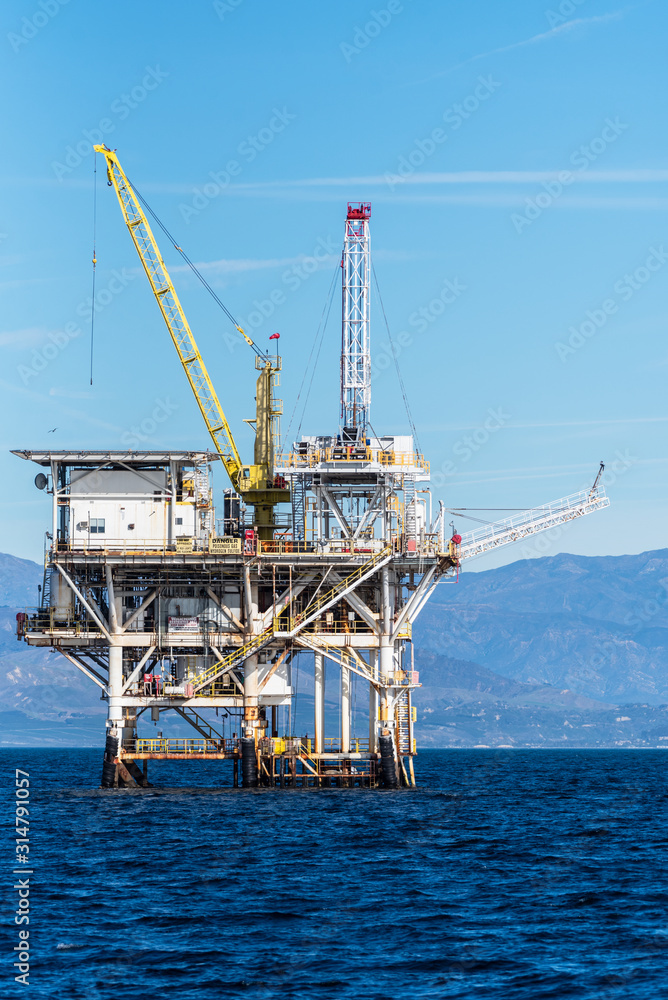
169 607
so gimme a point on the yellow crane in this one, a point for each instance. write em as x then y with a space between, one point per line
256 483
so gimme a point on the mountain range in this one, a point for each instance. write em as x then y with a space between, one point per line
559 651
597 626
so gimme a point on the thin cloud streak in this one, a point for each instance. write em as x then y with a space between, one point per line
243 265
625 176
230 266
460 177
539 475
556 469
31 336
499 200
492 200
78 415
509 479
437 428
544 36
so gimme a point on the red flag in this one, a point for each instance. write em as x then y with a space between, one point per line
275 336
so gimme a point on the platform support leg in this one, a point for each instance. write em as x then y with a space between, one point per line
373 703
319 677
345 706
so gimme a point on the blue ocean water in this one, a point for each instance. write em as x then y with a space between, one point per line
505 874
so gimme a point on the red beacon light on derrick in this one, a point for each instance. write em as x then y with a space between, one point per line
359 210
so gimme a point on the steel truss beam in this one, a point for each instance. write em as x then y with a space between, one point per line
136 613
137 670
335 509
286 598
308 642
372 511
358 605
97 618
414 604
85 669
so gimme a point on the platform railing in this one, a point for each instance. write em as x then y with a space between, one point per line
358 744
198 746
345 454
69 622
162 745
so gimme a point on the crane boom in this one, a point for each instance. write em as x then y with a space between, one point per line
531 522
174 317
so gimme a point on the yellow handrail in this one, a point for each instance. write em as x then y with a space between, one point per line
319 455
311 610
252 646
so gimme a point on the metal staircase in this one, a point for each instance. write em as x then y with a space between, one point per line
410 525
46 587
200 724
201 483
402 716
300 487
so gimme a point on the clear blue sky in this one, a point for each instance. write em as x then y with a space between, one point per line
516 151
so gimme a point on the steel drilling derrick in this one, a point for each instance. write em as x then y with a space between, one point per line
355 335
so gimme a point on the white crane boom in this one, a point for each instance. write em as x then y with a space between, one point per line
531 522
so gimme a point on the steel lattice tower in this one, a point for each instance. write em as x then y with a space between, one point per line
355 340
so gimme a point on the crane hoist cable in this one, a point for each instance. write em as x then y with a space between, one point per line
468 517
317 356
193 267
317 343
459 512
396 362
